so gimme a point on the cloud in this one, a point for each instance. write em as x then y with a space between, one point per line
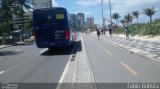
123 2
87 2
122 6
87 13
128 6
54 3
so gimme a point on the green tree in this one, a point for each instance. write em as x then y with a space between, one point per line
22 5
136 14
116 16
122 22
128 18
6 17
149 12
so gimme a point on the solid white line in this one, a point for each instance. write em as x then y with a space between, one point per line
1 72
43 50
19 50
108 52
21 63
129 68
65 70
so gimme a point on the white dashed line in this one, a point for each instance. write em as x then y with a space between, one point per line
108 52
15 66
19 50
43 50
1 72
129 68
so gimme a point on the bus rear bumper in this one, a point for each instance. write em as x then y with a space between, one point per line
56 44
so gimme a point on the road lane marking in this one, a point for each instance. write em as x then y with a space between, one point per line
65 70
17 65
129 68
1 72
19 50
108 52
43 50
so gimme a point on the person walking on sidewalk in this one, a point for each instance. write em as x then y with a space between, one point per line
110 30
98 34
127 31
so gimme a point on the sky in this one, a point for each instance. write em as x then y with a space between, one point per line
92 8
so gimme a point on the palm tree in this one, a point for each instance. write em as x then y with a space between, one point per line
22 5
122 21
116 16
149 12
136 14
128 18
6 14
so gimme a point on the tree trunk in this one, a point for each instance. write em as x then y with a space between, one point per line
150 19
22 27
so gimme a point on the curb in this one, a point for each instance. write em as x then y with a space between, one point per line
5 46
138 52
135 51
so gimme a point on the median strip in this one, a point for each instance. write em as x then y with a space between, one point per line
129 68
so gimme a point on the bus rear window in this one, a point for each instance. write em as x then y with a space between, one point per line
59 16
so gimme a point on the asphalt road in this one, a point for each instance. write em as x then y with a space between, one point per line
112 64
29 64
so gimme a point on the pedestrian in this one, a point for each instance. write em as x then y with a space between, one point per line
86 32
102 31
127 31
110 30
98 34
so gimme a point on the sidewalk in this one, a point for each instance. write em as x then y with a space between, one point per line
16 43
4 46
149 49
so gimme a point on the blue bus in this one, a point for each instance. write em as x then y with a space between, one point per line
52 28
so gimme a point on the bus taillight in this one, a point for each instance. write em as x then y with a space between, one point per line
66 34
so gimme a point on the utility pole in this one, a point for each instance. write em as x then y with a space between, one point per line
110 12
102 14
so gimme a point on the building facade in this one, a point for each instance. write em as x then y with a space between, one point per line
81 20
78 21
74 21
90 22
42 4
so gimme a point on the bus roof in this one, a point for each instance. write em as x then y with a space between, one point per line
53 8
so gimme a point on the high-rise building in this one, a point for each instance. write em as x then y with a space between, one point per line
81 20
90 22
42 4
74 20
